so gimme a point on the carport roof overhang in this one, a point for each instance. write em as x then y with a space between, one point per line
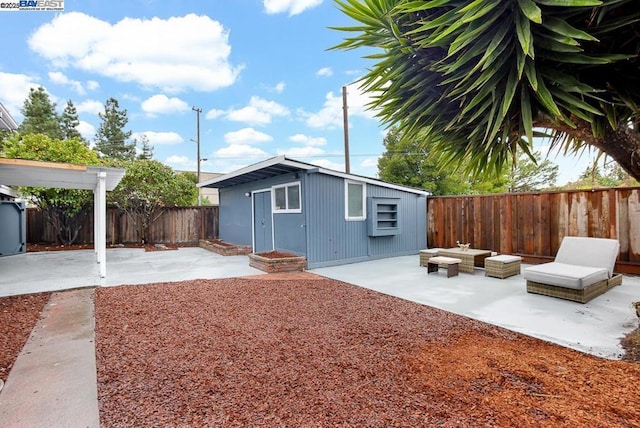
19 172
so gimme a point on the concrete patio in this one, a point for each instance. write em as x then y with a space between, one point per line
61 270
595 327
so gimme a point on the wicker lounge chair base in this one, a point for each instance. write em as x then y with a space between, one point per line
583 295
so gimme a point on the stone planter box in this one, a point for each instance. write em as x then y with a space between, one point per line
278 264
226 249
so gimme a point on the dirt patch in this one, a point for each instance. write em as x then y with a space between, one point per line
245 352
18 316
58 247
276 255
33 248
631 345
160 247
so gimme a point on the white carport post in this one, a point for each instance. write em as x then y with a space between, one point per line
100 225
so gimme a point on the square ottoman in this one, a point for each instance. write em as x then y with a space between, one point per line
502 266
425 255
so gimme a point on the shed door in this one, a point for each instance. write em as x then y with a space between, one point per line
13 235
262 226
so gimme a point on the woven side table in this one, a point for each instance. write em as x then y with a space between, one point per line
502 266
425 255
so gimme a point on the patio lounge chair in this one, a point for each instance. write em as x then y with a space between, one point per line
582 270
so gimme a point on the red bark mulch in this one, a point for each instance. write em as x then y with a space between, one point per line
31 248
318 352
275 254
18 316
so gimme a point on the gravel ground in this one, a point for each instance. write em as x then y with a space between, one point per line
321 353
18 316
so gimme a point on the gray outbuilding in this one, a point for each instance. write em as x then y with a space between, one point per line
328 216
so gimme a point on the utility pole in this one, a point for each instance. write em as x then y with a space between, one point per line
198 111
345 116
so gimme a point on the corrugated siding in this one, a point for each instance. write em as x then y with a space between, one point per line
333 240
235 215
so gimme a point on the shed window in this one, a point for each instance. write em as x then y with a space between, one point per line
355 196
286 198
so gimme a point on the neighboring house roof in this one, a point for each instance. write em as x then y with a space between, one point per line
6 121
282 165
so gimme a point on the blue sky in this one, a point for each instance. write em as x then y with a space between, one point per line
260 70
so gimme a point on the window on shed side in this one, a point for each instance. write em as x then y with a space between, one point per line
355 197
286 198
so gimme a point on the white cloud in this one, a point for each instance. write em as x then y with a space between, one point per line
131 97
370 163
258 112
14 90
60 78
176 54
246 136
159 137
330 115
293 7
279 88
177 159
325 72
92 85
214 113
325 163
161 104
301 152
87 130
240 151
308 141
90 106
180 162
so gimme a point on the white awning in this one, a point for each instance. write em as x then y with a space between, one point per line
19 172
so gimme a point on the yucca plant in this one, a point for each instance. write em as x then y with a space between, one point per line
482 78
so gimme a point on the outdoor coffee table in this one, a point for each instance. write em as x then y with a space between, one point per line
470 257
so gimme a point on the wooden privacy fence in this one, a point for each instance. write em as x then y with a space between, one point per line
179 225
533 224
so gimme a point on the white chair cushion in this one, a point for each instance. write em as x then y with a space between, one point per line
431 251
593 252
565 275
504 258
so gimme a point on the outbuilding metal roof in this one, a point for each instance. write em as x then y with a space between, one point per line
282 165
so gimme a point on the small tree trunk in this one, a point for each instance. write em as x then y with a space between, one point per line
622 144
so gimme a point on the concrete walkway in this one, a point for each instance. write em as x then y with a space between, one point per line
53 382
